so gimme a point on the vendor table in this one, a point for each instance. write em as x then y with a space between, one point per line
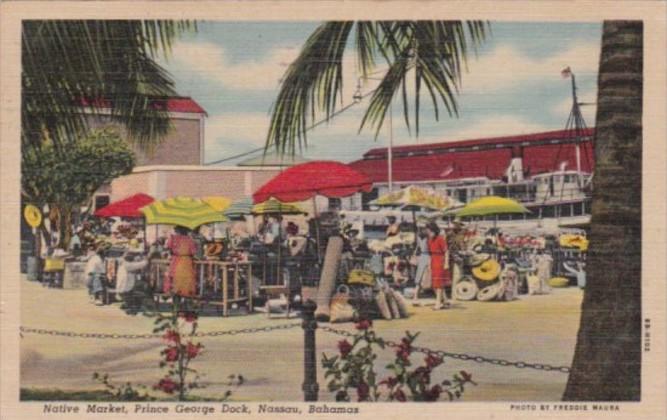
74 277
219 283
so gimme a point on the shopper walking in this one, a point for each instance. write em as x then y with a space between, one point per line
423 274
440 276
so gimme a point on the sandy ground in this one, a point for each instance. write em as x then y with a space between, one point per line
538 329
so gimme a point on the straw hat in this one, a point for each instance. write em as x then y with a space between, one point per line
478 259
213 249
487 271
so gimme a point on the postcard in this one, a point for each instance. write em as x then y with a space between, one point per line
333 209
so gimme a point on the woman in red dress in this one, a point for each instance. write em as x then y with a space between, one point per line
437 246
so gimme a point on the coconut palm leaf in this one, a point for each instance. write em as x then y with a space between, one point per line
69 63
435 51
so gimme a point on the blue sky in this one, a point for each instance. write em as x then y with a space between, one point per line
512 86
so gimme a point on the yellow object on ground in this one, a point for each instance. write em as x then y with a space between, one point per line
558 282
487 271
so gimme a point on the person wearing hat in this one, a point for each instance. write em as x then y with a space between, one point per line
423 274
394 228
440 276
95 272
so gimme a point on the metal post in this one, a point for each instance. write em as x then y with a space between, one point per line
309 325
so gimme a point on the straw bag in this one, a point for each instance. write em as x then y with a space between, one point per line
340 309
361 277
383 306
401 303
393 305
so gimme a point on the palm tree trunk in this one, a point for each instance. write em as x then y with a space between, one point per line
607 359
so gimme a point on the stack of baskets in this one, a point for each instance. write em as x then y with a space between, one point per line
487 280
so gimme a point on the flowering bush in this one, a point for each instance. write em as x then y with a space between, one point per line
352 372
122 392
178 353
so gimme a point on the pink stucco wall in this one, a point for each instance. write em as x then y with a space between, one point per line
181 146
192 182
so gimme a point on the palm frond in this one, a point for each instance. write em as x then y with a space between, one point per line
436 51
312 84
68 62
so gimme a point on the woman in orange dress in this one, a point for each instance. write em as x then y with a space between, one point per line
181 266
437 247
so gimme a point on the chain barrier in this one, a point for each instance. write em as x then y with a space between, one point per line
71 334
463 356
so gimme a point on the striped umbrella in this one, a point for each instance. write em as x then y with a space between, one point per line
273 206
218 202
239 208
181 211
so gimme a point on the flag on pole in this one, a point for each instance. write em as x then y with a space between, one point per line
566 72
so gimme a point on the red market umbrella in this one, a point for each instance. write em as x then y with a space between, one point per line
127 207
302 182
321 177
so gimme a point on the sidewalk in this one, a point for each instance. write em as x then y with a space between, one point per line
533 329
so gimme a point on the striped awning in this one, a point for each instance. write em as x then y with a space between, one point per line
181 211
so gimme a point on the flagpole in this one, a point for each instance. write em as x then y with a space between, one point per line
390 154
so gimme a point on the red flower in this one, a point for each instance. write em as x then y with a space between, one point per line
171 335
432 361
404 355
192 350
166 385
344 347
364 324
404 350
434 393
399 395
171 354
363 391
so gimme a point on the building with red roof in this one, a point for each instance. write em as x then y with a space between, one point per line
541 169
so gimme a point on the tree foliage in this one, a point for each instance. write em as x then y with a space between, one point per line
65 62
434 51
70 178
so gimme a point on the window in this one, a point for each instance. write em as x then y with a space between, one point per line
548 211
101 201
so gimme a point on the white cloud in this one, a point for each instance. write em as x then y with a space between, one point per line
251 128
492 126
588 111
505 67
210 61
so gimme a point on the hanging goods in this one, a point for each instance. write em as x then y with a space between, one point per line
32 216
465 290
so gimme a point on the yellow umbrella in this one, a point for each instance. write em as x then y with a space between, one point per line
273 206
181 211
413 197
218 202
490 205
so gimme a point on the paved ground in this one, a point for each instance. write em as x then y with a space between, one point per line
534 329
